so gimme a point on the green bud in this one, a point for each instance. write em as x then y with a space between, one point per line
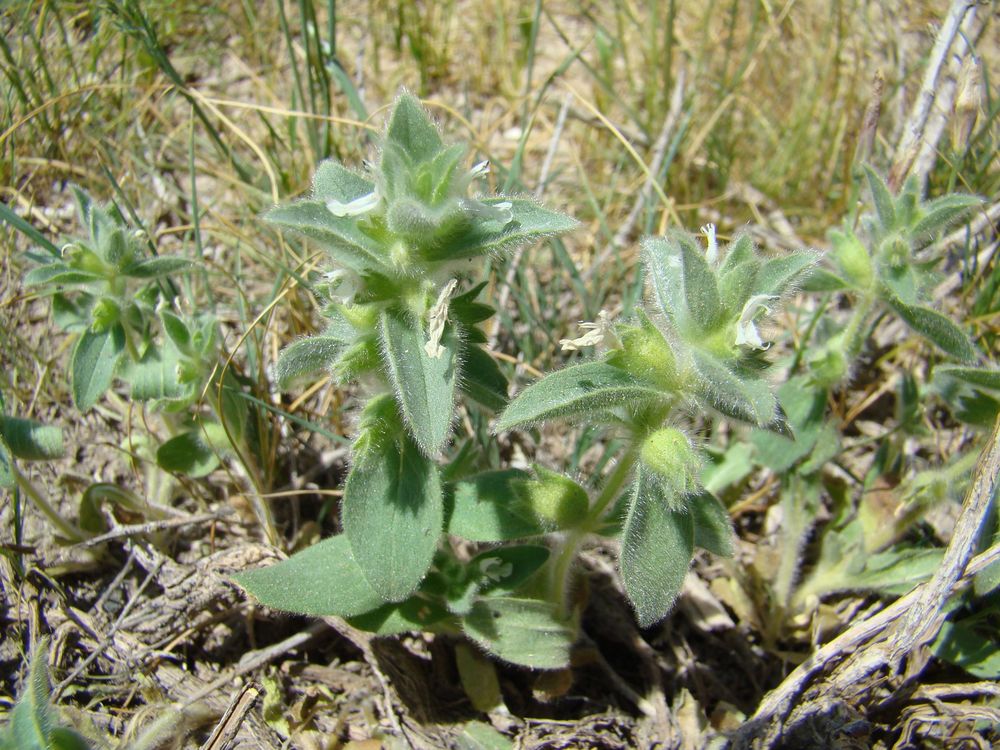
556 500
670 455
828 366
83 258
646 354
853 258
894 251
104 314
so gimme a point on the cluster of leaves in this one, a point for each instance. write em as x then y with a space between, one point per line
119 299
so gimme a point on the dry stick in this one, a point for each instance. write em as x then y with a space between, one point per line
913 131
946 94
225 731
901 626
148 528
624 234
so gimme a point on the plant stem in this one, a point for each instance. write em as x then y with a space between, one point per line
561 568
68 530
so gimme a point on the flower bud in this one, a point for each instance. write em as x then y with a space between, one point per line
670 455
104 314
853 259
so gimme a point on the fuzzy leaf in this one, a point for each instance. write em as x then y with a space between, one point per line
981 377
424 385
95 359
393 513
482 379
740 398
941 212
701 294
712 528
32 721
504 569
415 614
189 454
666 279
936 328
176 329
972 648
656 550
31 440
304 358
554 499
59 273
412 130
530 223
884 203
520 631
7 480
484 509
823 280
778 275
152 268
587 389
324 579
333 181
338 235
155 375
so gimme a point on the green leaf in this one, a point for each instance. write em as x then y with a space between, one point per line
478 735
412 130
941 212
961 644
176 329
823 280
656 550
304 358
778 276
152 268
712 528
95 359
155 375
424 385
981 377
7 480
587 389
324 579
59 273
520 631
530 223
504 569
188 453
804 406
484 508
71 315
32 720
31 440
666 278
884 203
338 235
415 614
936 328
482 380
701 293
393 513
479 680
333 181
745 399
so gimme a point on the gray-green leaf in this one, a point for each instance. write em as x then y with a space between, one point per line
333 181
712 528
31 440
936 328
424 385
740 398
656 550
520 631
587 389
163 265
412 129
95 359
485 509
338 235
324 579
306 357
393 513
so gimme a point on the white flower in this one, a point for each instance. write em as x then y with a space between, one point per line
342 284
601 333
712 252
495 569
480 170
746 330
437 318
356 207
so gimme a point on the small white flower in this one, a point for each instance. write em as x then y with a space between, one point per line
480 170
342 284
495 569
712 252
437 318
356 207
601 333
746 330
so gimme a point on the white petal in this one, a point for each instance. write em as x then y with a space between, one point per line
356 207
712 253
437 318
